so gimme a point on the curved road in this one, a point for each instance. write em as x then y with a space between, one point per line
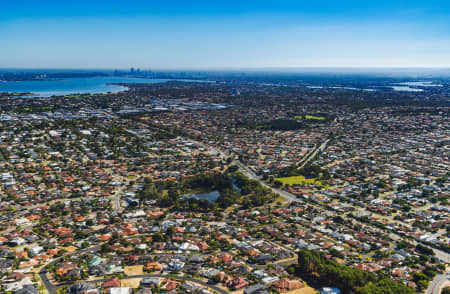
437 283
215 288
43 272
52 289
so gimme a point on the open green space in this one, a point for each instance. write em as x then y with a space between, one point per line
299 180
310 117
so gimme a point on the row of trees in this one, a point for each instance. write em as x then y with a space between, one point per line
253 193
310 171
314 266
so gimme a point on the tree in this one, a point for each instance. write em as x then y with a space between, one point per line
170 231
157 237
105 248
233 169
314 266
385 286
424 250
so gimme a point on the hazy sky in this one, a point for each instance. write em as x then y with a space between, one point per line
224 34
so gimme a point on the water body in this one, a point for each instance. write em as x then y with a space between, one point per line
406 89
413 86
400 87
346 88
210 196
67 86
421 84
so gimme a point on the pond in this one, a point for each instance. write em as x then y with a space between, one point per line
210 196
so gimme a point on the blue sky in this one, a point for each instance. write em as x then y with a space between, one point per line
224 34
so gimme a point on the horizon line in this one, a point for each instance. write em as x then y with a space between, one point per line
235 68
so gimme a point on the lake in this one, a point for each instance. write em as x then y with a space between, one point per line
67 86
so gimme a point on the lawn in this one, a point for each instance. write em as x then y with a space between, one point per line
310 117
314 117
280 199
299 180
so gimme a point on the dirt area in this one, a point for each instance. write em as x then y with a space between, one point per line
304 290
134 270
132 283
93 278
69 249
292 260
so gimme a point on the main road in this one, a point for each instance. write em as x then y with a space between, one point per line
313 154
251 175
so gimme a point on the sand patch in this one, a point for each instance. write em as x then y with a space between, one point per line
69 249
134 270
304 290
131 283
